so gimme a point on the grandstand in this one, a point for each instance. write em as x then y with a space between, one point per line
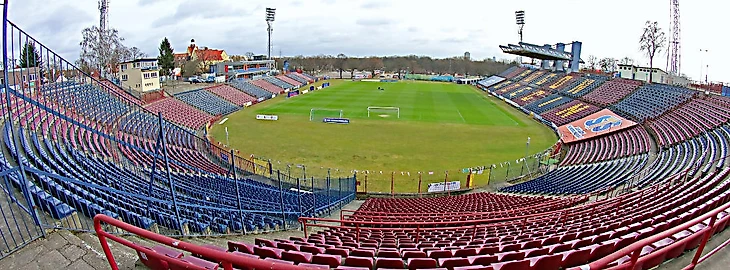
207 102
232 95
531 231
82 155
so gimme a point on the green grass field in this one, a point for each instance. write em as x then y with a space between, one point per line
442 127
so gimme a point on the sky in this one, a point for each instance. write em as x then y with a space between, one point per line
382 27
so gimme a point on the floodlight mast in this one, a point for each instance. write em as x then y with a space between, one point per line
270 13
520 18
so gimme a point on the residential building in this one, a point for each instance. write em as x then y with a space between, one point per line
22 77
141 75
208 57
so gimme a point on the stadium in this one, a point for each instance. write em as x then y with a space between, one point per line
539 164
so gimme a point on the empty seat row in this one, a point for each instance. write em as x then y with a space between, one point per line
207 102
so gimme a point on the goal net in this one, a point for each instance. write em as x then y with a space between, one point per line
384 112
320 114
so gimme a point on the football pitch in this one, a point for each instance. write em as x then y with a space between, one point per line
442 128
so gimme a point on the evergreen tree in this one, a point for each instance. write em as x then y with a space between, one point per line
29 56
166 60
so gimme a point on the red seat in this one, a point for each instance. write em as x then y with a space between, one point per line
450 263
359 262
312 249
600 251
559 248
547 262
314 266
337 251
327 259
575 257
474 267
511 256
513 265
156 264
466 252
240 247
414 254
422 263
362 253
296 256
388 254
288 246
268 252
437 254
351 268
537 252
483 259
195 261
532 244
392 263
488 250
264 242
511 247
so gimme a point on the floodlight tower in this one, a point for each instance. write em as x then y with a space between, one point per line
675 46
520 16
103 14
270 12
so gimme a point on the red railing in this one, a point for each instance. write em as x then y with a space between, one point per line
227 260
634 250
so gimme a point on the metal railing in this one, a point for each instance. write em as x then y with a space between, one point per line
227 260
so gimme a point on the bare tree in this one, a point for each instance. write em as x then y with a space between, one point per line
652 41
190 68
101 49
607 64
206 58
627 61
341 63
249 55
135 53
592 62
238 58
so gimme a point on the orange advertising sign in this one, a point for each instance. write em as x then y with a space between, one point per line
597 124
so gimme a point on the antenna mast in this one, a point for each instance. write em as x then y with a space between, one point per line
674 55
103 14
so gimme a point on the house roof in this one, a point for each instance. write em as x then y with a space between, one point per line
180 55
140 60
210 55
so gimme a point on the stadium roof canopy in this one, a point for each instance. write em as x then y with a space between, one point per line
535 51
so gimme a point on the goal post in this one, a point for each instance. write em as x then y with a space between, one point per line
317 114
384 111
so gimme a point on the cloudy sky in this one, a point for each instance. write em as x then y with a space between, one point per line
382 27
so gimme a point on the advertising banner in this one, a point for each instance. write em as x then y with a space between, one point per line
439 187
267 117
292 93
336 120
599 123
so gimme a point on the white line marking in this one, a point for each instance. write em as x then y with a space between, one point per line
462 117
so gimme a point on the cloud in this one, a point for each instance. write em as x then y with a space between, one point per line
374 5
371 27
203 10
374 21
